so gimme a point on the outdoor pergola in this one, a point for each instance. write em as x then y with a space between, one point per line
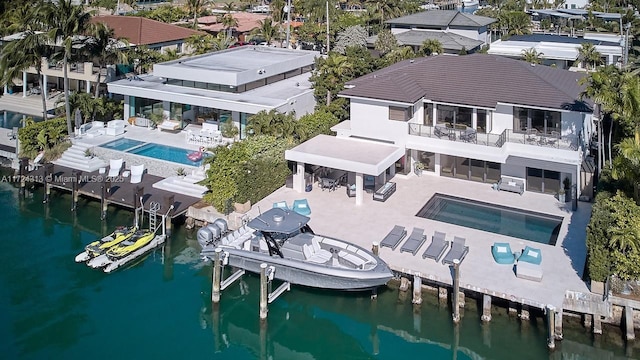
360 156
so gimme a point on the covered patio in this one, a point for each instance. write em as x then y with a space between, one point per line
359 156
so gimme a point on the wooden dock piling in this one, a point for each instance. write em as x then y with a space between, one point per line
551 316
597 324
48 176
263 291
443 295
558 323
524 313
104 193
417 289
486 308
216 276
456 290
23 170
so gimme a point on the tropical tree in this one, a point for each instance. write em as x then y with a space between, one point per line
588 56
267 30
221 42
66 22
532 56
351 36
387 8
227 19
330 75
385 42
431 47
514 23
143 58
20 55
200 43
82 101
319 122
276 7
272 123
399 54
105 49
195 8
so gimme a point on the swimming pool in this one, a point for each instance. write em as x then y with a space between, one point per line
122 144
497 219
152 150
11 119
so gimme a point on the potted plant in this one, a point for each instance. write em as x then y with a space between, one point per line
561 194
89 153
180 172
418 167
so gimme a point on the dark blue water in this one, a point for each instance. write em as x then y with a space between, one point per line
53 308
493 218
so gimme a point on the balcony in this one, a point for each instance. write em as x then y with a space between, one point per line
469 135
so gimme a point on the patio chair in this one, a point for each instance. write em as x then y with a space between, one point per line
440 131
281 205
136 173
326 183
414 242
394 237
458 250
301 207
115 165
438 246
531 255
502 253
468 135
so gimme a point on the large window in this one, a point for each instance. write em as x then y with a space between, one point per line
445 114
428 114
469 169
454 116
482 121
145 107
543 121
544 181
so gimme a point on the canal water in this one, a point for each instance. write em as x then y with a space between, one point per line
53 308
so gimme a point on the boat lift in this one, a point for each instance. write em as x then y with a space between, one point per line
267 274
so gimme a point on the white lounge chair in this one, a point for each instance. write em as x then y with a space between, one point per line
136 173
115 165
115 127
94 128
169 125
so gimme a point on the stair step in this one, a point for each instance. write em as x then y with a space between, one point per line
170 184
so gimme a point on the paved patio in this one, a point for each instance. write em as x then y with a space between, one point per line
336 215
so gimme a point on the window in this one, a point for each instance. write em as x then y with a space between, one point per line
445 114
544 181
178 48
481 125
428 114
543 121
399 113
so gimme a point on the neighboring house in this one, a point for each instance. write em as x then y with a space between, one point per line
455 30
246 23
558 50
232 84
477 117
153 34
83 75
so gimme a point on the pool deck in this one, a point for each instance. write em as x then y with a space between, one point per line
336 215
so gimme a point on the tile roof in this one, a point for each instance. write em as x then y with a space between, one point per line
442 18
246 22
449 41
142 31
475 80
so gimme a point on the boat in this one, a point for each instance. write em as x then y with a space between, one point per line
100 246
138 240
283 239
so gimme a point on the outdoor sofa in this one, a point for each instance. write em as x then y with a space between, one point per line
511 184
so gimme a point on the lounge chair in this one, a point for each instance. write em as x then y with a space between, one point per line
502 253
169 125
301 207
281 205
458 251
92 129
115 165
115 127
136 173
438 246
531 255
414 242
394 237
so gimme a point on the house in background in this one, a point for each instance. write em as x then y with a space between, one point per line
455 30
558 50
247 22
227 85
481 118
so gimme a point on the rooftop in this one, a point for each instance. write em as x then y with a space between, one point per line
552 38
474 80
142 31
246 22
449 41
442 18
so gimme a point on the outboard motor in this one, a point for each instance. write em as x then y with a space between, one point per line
222 225
209 234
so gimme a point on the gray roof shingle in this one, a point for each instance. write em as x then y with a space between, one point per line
442 18
450 41
474 80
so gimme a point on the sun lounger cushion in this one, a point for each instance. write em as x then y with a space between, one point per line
502 253
458 251
438 246
529 271
531 255
414 242
394 237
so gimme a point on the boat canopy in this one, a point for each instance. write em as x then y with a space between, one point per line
279 221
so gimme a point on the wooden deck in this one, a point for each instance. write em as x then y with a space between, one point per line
122 190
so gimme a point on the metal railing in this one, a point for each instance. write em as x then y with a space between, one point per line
494 140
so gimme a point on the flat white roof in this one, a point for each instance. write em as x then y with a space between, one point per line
236 66
548 50
263 98
349 154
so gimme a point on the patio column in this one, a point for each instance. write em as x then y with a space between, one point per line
88 85
24 84
298 178
474 118
44 85
166 109
127 111
6 89
434 114
359 188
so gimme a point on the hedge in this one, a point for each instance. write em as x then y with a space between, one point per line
42 135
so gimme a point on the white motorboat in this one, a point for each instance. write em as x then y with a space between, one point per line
282 239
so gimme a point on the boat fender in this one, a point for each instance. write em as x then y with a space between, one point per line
331 250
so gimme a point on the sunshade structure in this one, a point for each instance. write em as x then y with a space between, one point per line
278 220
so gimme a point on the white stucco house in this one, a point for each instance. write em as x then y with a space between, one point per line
226 85
481 118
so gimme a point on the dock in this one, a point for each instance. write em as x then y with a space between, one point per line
121 190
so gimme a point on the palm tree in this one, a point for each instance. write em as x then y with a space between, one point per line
276 7
228 20
399 54
387 8
588 56
20 55
431 47
195 7
105 48
200 43
267 30
532 56
66 22
221 42
335 68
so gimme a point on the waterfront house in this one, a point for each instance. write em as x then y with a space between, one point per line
481 118
247 22
232 84
559 50
456 31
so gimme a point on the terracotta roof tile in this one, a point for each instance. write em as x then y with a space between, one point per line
142 31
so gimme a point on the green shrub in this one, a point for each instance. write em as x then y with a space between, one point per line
41 135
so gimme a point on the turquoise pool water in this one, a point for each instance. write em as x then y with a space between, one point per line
12 119
122 144
497 219
164 152
152 150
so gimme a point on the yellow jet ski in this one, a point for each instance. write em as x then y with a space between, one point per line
99 247
135 242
